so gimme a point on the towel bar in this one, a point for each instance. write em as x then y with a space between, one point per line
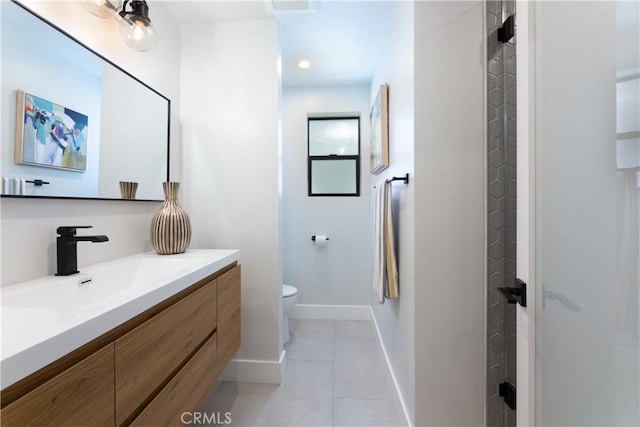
398 178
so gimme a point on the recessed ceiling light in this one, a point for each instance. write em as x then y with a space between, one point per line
290 4
283 7
304 64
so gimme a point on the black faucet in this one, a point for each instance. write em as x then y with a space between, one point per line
67 248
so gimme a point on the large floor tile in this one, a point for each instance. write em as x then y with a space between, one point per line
353 328
306 396
311 327
310 379
334 375
364 412
310 339
360 381
304 347
241 409
237 387
357 348
300 412
359 372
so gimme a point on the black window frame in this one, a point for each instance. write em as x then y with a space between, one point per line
311 159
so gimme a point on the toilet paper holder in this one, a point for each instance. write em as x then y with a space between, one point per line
313 238
37 182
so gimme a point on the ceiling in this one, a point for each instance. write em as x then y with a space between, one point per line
190 11
342 39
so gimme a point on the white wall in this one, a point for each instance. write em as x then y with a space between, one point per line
338 273
396 318
229 86
28 226
29 233
450 210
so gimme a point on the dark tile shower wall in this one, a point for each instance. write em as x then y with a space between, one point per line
501 141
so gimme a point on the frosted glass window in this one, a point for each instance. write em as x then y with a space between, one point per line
334 137
333 177
334 156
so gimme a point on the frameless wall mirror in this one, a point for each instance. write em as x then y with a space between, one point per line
73 119
334 156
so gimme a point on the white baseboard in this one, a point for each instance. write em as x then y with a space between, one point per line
330 312
255 371
390 369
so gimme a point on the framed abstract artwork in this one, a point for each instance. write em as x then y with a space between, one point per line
50 135
379 119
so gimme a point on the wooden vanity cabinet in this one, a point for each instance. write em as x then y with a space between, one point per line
228 315
80 396
184 391
147 371
152 352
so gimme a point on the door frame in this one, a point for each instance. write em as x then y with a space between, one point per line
526 211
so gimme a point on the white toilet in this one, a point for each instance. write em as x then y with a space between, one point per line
289 299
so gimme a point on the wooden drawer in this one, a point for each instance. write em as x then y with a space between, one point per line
228 315
80 396
185 391
150 354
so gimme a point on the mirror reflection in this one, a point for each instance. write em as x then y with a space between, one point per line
74 120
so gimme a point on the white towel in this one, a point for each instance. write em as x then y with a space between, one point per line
385 280
391 285
378 272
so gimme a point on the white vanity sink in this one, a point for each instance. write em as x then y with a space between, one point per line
46 318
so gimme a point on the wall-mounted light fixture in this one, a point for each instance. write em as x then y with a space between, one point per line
135 26
103 8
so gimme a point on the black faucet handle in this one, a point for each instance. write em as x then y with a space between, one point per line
70 230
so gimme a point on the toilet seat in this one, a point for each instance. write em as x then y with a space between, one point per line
288 291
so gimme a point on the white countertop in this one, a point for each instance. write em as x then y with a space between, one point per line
46 318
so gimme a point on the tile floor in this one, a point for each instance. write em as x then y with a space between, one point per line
335 375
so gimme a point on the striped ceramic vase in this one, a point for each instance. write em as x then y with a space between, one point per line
170 226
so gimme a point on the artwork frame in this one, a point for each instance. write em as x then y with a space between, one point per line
379 120
49 134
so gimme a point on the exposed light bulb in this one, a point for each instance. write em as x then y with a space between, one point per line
138 31
135 27
138 35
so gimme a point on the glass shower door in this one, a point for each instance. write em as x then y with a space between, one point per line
587 236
